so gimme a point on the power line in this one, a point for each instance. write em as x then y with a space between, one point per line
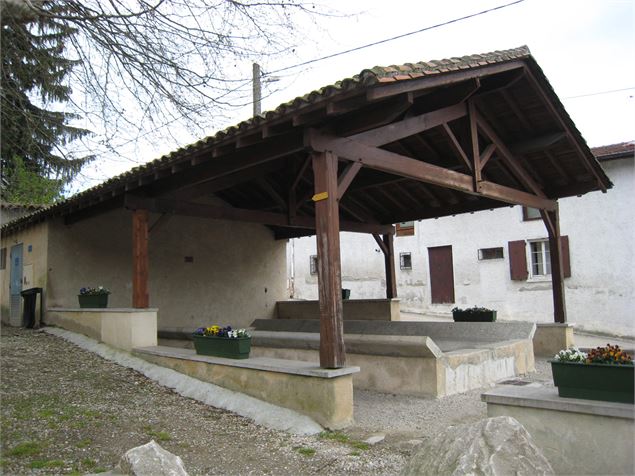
600 92
333 55
404 35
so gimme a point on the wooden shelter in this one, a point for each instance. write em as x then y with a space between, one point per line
389 145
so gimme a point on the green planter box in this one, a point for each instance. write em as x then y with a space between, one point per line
237 348
472 316
93 301
610 383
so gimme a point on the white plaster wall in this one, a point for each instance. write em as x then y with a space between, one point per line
599 294
237 273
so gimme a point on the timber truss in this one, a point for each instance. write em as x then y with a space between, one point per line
390 145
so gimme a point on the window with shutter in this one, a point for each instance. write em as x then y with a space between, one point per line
518 260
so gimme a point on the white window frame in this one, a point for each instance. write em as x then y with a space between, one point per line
546 260
402 261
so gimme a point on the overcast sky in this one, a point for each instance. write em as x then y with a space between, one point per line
586 49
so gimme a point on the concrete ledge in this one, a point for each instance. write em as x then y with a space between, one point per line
120 328
458 332
396 357
326 395
354 309
396 346
537 396
552 337
577 436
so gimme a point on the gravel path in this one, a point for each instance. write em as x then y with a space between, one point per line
67 411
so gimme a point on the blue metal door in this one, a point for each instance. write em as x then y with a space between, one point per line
16 285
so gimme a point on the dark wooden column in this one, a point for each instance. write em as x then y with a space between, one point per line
552 223
327 223
389 260
140 296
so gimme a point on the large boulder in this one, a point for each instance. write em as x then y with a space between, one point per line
150 460
491 447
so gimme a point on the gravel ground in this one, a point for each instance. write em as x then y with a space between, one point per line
67 411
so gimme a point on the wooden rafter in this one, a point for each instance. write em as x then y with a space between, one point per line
456 146
378 115
507 155
224 181
159 205
410 126
401 87
475 149
392 163
273 193
586 157
347 176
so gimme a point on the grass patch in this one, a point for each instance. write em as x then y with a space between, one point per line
157 435
28 448
84 443
46 413
334 436
342 438
304 451
360 445
99 470
41 464
89 463
355 453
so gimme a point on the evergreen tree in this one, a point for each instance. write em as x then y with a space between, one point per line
34 71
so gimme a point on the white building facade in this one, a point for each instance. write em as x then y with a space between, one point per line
476 259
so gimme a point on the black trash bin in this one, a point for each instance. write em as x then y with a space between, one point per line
30 299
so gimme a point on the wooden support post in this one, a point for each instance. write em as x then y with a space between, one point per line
389 260
140 296
327 225
552 223
476 154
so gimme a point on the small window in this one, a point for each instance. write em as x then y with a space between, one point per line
405 260
406 228
3 258
490 253
530 214
313 264
540 258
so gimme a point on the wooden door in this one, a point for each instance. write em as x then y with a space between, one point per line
441 274
15 285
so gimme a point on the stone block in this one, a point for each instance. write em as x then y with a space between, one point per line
551 338
150 460
494 446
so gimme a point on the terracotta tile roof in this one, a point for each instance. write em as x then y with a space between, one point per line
614 151
365 79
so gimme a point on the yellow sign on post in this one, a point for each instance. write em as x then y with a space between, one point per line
320 196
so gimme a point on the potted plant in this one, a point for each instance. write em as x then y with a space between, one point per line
93 297
605 373
222 342
474 314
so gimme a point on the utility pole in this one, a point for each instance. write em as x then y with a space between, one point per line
257 90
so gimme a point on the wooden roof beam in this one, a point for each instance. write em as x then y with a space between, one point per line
509 158
271 191
159 205
385 90
396 164
223 182
380 114
586 155
410 126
